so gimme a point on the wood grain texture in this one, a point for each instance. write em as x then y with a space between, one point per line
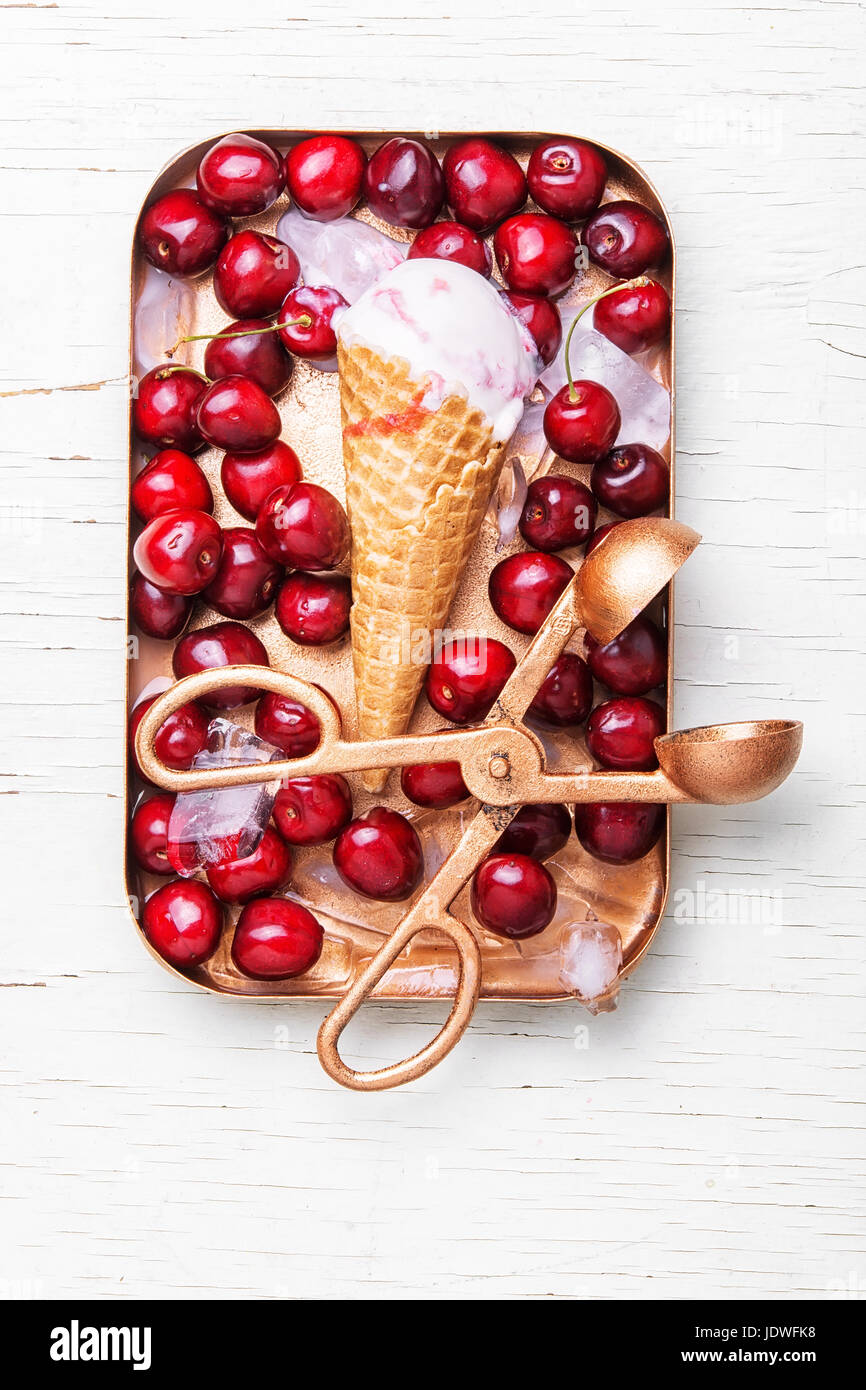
704 1140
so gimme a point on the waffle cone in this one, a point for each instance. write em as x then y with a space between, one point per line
418 483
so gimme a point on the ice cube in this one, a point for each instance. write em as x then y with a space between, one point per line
347 254
163 314
590 960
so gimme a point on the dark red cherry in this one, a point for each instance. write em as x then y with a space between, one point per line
240 176
181 736
303 526
581 422
626 239
621 734
539 831
484 183
558 512
268 868
306 321
234 413
276 939
287 724
182 921
157 614
246 581
171 480
524 588
513 896
403 183
312 810
165 405
635 317
536 253
179 551
324 176
632 480
566 177
313 609
380 856
598 536
618 832
182 236
632 663
565 695
249 479
240 349
449 241
221 644
466 676
434 785
148 834
254 274
542 321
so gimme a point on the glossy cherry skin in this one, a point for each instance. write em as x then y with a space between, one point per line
618 832
179 551
523 588
287 724
536 253
276 939
598 536
434 785
466 677
318 338
253 275
621 734
484 183
268 868
148 834
513 896
632 480
564 697
156 613
626 239
303 526
313 609
558 512
246 580
380 856
403 183
312 810
538 831
182 921
221 644
164 409
450 241
260 356
324 176
179 738
182 236
632 663
636 318
542 321
566 177
236 414
240 176
171 480
249 479
581 423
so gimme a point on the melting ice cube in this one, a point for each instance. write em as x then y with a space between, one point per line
347 254
590 960
163 313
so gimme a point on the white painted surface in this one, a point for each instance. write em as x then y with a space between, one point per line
705 1140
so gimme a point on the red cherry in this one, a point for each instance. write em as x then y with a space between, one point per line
165 406
182 236
303 526
632 663
524 588
249 479
450 241
179 551
536 253
171 480
182 921
221 644
313 609
312 810
632 481
598 535
246 581
566 177
618 832
565 695
253 353
380 856
558 511
541 320
268 868
513 896
234 413
180 736
254 274
537 831
581 422
626 239
240 176
306 321
287 724
485 184
434 785
466 677
324 176
635 317
156 613
276 939
148 834
621 734
403 183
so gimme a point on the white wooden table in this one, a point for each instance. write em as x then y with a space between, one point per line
704 1140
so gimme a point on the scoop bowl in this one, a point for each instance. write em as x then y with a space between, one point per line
724 764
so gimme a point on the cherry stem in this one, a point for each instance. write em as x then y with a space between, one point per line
304 321
638 284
